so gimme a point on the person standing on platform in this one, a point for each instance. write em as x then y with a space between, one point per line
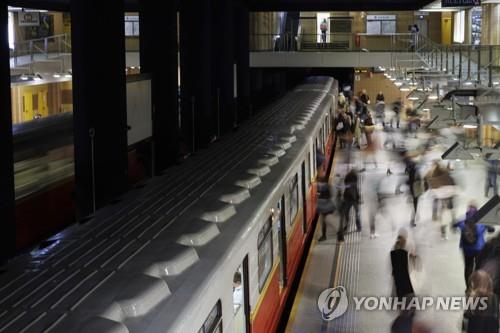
324 29
471 239
400 269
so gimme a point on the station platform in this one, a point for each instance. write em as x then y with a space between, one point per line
361 264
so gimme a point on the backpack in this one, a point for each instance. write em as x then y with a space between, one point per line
469 234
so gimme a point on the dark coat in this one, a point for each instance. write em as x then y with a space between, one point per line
400 272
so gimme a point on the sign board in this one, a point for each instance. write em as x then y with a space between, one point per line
380 17
357 77
28 19
419 13
460 3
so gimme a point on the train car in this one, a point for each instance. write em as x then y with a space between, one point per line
227 261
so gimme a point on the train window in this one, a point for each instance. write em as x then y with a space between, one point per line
308 171
294 198
213 323
265 252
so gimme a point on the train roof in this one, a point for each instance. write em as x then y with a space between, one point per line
137 263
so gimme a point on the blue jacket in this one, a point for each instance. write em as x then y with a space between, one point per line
480 229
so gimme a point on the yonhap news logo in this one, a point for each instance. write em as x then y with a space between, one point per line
333 303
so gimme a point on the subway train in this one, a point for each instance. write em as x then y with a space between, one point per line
214 245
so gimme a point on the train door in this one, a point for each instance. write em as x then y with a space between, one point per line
241 305
304 197
279 221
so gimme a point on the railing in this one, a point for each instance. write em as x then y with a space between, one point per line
36 49
401 42
474 63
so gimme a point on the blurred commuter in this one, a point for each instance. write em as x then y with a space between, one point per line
400 268
356 131
482 320
493 167
320 159
380 97
364 98
396 108
371 147
351 200
325 205
343 129
488 259
442 185
342 101
471 239
380 112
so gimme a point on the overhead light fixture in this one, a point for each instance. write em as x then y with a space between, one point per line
24 77
470 126
426 109
413 98
433 97
56 75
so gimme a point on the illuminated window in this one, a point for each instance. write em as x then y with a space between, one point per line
459 27
11 30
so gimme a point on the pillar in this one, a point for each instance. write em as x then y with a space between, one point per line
242 43
99 102
158 23
223 62
197 103
7 196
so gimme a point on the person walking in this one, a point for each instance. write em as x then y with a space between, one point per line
396 108
380 97
471 239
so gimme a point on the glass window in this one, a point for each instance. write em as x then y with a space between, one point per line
265 253
131 26
213 323
294 198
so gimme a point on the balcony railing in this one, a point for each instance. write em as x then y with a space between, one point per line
401 42
41 48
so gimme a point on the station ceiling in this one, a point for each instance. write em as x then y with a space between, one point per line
262 5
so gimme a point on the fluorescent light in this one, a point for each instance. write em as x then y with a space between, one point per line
413 98
426 109
470 126
433 97
57 75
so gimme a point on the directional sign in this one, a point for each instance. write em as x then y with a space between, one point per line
457 152
460 3
490 212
